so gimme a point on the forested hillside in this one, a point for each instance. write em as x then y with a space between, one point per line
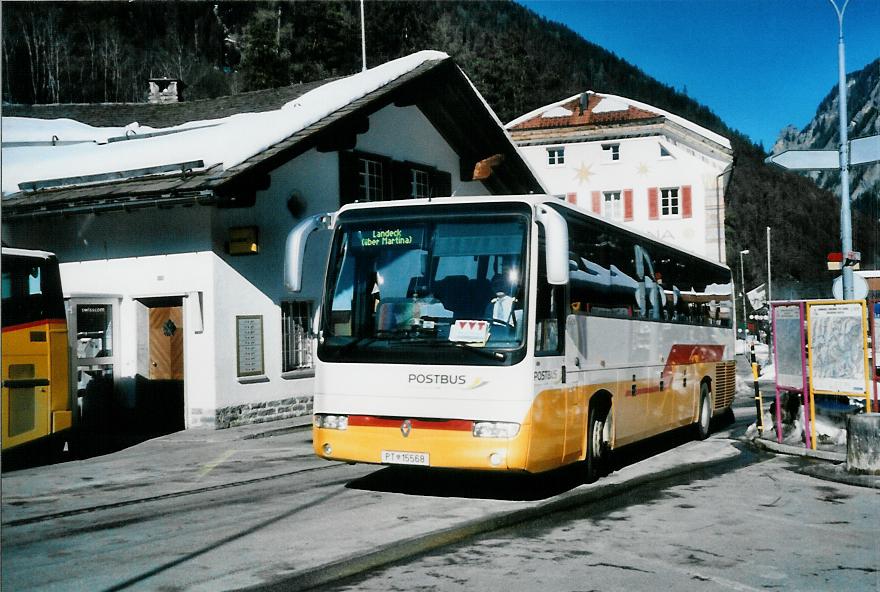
105 52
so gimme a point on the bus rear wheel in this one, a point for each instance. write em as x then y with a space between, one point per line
598 449
704 419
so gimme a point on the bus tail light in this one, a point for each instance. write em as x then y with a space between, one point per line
331 422
495 429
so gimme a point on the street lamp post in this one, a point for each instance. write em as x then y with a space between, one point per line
845 216
742 289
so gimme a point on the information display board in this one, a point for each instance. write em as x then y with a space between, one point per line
837 345
788 335
249 345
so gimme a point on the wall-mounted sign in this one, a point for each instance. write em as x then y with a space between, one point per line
249 345
243 241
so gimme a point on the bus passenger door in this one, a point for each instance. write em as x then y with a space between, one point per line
575 397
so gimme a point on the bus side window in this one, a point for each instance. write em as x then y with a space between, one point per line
548 309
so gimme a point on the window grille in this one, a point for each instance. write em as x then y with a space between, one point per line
612 151
669 204
555 156
421 183
296 347
370 183
613 205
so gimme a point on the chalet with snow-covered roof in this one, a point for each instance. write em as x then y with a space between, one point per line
170 221
632 163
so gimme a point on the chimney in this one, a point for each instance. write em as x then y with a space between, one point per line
583 106
165 90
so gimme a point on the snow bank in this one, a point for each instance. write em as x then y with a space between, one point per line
228 142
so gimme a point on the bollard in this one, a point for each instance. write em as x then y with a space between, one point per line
759 403
863 443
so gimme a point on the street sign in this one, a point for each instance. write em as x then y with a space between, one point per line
860 287
804 160
861 151
864 150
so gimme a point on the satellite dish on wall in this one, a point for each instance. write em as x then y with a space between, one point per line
860 287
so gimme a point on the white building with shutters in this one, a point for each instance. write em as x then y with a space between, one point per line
634 164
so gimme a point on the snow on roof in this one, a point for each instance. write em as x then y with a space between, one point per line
610 105
228 141
617 103
557 112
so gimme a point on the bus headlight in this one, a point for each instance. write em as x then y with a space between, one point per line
495 429
331 422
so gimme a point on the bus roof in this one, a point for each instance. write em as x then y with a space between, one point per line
531 200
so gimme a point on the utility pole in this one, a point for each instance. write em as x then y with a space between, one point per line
845 215
742 290
864 150
364 39
769 285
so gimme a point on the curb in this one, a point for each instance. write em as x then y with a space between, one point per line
797 450
297 426
336 571
829 472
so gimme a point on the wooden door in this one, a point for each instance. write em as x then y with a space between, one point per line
166 343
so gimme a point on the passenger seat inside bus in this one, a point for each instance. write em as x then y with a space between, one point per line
466 298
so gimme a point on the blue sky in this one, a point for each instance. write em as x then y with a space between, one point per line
759 65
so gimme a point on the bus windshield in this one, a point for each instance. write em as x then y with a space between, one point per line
438 290
31 289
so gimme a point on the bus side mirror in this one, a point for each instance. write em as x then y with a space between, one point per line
555 244
296 248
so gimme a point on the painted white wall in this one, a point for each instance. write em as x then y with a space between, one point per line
132 278
587 169
181 252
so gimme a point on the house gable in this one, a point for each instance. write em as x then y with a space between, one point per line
436 86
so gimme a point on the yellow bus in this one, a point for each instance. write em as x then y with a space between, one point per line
36 386
511 333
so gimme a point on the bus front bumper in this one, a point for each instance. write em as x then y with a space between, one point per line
456 449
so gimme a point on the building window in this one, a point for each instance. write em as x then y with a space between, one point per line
421 183
370 180
555 156
612 205
372 177
296 346
669 203
611 152
664 152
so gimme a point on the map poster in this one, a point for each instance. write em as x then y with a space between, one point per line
837 348
788 324
876 332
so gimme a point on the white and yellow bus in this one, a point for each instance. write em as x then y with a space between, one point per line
509 333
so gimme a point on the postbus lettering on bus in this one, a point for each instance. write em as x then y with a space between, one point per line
450 379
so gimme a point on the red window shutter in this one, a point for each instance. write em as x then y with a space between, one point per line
686 207
627 205
653 203
597 202
572 198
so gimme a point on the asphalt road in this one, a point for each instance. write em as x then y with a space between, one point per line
757 526
216 511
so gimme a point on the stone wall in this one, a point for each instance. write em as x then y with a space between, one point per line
262 411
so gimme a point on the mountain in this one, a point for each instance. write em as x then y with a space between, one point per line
823 133
105 52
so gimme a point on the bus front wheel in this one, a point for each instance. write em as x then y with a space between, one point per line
705 417
598 449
